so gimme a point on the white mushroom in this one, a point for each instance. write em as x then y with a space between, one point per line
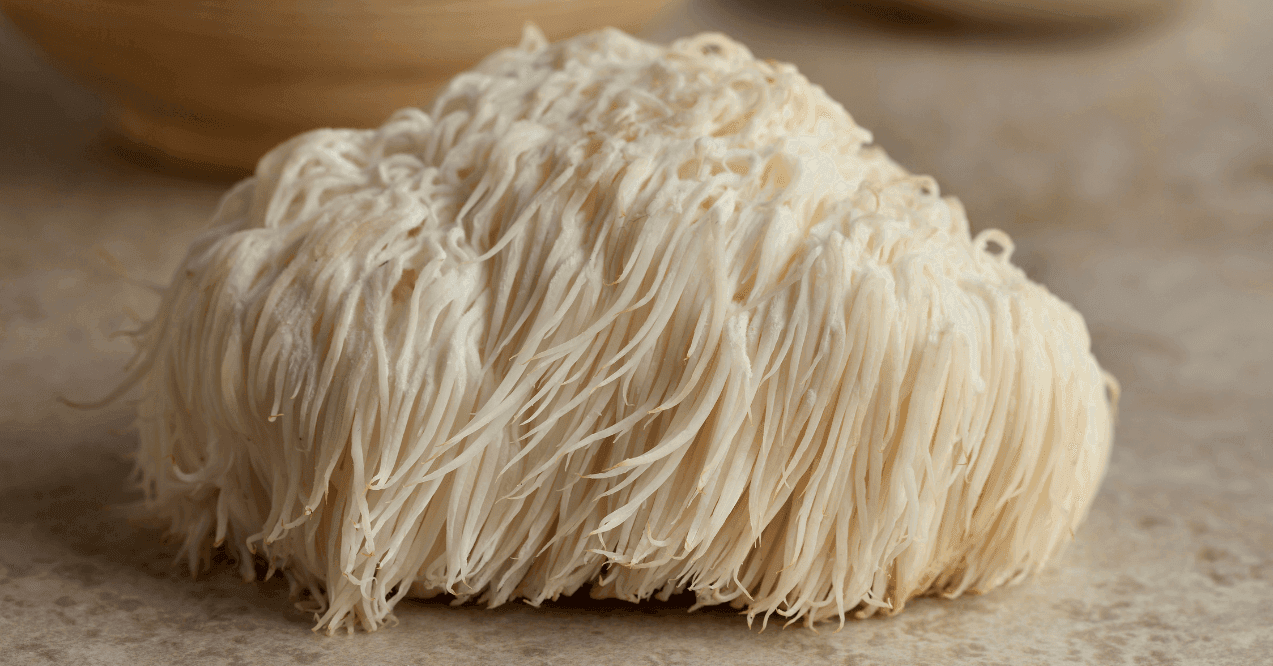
651 318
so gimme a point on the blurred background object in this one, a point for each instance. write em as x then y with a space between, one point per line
1032 11
220 83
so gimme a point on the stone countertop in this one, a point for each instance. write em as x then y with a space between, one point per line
1132 166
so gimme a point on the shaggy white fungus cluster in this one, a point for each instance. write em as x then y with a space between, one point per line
651 318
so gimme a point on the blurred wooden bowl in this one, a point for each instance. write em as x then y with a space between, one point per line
220 83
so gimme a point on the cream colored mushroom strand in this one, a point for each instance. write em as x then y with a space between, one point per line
652 318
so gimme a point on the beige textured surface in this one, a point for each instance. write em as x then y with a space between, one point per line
1134 169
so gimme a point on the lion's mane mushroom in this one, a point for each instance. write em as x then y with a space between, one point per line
652 318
